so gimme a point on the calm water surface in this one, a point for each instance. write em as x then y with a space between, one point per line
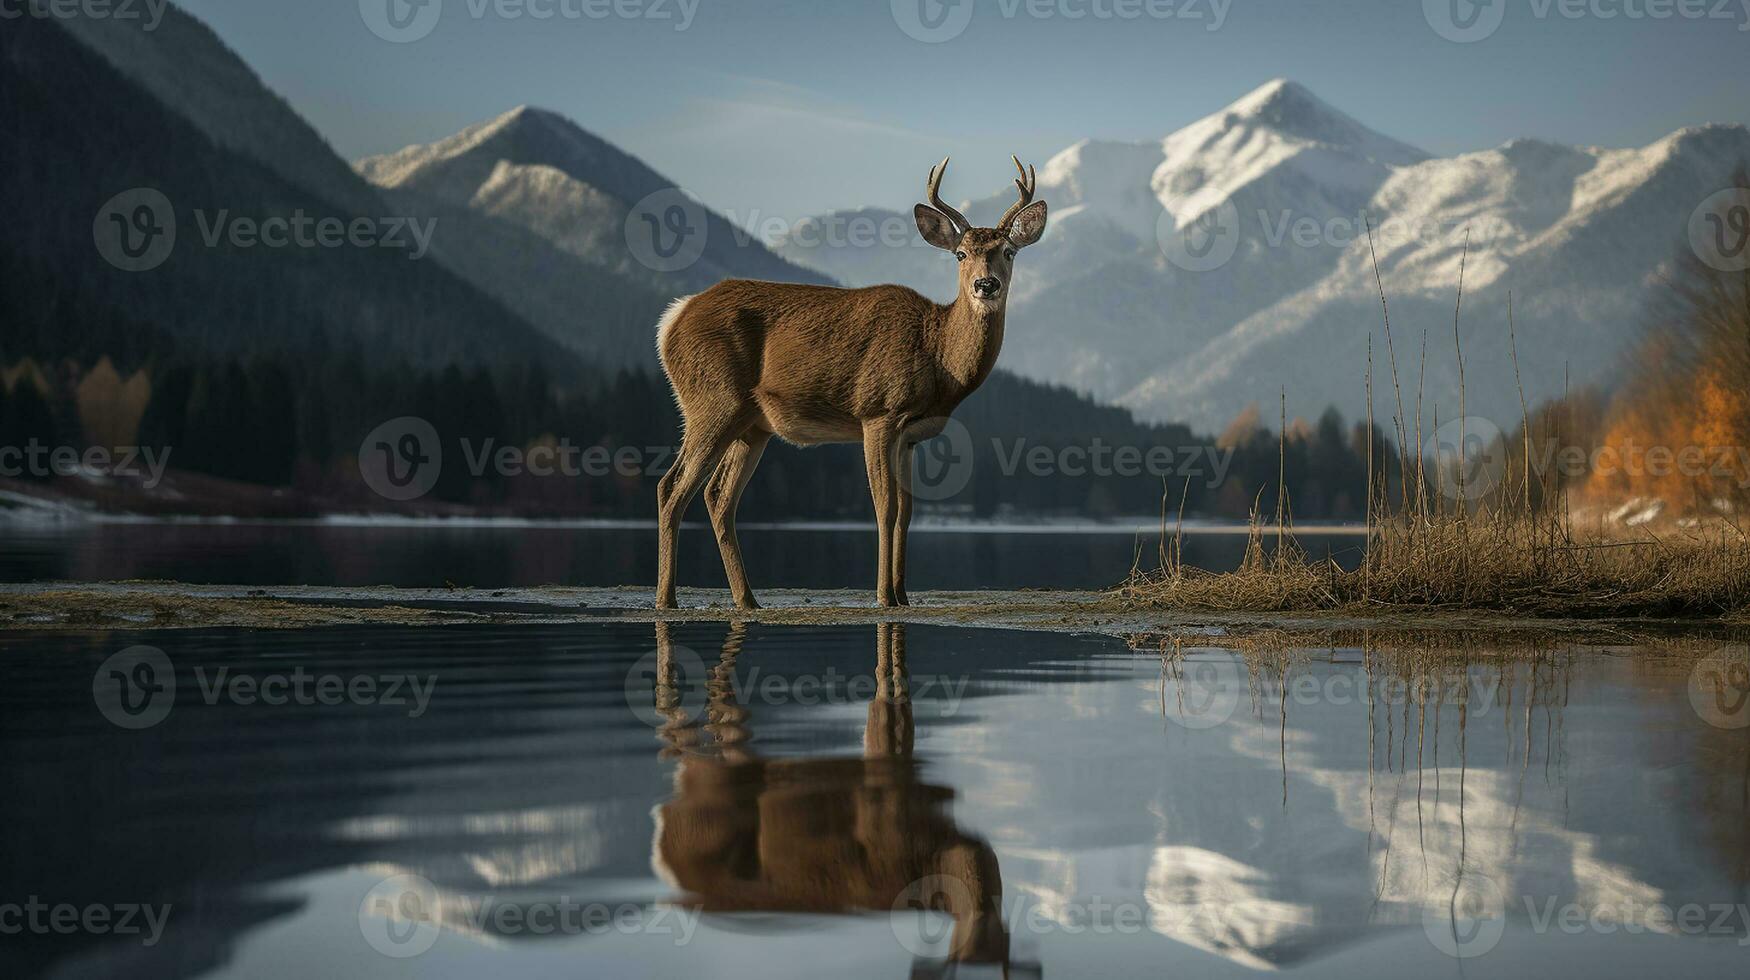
507 556
866 801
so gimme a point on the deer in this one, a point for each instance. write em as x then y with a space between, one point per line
883 366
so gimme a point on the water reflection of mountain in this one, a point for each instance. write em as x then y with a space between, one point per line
1304 823
219 805
1280 837
525 779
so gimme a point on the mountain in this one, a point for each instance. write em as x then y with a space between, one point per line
539 171
92 113
185 65
187 68
1113 304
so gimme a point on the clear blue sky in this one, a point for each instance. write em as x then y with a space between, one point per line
796 106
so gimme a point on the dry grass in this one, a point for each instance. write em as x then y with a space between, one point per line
1497 562
1514 550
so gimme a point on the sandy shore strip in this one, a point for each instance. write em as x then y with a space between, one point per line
155 605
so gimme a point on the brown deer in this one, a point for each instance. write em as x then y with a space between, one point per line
883 366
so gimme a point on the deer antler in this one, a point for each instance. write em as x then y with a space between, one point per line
1026 183
936 174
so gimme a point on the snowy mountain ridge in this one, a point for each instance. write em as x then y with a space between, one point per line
1229 261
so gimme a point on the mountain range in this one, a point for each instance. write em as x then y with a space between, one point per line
97 111
528 259
1183 279
1229 262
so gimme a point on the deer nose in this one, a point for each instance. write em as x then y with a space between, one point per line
987 286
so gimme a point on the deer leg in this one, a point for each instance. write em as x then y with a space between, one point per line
879 439
701 447
723 496
902 518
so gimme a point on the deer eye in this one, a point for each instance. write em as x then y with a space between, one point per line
1009 253
960 255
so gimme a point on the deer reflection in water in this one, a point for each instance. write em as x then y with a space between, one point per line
749 834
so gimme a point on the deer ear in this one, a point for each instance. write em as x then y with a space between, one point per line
1028 225
936 228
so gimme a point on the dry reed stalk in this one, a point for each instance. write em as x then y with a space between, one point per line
1392 356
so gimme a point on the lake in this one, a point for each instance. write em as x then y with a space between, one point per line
630 800
511 554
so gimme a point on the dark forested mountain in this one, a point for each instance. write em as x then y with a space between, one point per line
599 308
78 133
185 66
188 69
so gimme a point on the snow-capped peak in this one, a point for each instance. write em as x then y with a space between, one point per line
394 169
1292 110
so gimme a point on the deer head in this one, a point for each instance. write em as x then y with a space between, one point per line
986 255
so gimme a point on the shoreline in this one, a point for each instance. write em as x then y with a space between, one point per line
1021 524
159 605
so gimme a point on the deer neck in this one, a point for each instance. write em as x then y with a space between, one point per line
969 337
